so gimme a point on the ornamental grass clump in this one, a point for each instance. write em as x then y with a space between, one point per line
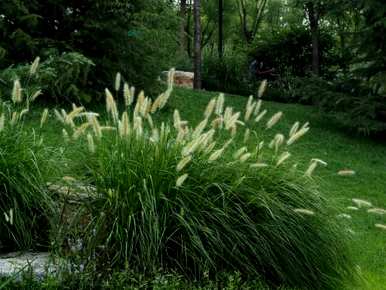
25 204
180 197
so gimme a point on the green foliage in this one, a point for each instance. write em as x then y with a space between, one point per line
215 213
229 74
25 204
59 77
132 37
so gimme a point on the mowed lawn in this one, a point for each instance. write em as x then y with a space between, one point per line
340 149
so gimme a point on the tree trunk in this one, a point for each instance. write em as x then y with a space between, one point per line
220 28
313 16
183 39
197 44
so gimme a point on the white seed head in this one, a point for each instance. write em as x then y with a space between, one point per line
220 104
375 210
258 165
245 157
210 108
283 157
2 122
361 202
239 152
344 216
16 92
247 135
117 82
44 117
129 98
274 120
181 165
260 116
304 211
90 142
311 169
297 135
34 66
381 226
180 180
262 88
346 172
294 129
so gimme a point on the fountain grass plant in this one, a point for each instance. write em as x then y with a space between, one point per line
177 198
25 204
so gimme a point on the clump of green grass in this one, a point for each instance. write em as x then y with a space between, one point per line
25 204
188 200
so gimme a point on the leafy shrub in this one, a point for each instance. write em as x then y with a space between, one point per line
136 38
25 204
229 74
181 200
59 77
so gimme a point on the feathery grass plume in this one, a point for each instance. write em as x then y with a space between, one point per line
260 116
376 210
35 95
90 141
34 66
141 99
9 216
319 161
245 157
66 138
297 135
2 122
352 208
108 128
14 118
276 142
210 108
344 216
111 106
176 119
228 113
215 155
294 128
304 211
73 114
210 147
249 109
217 123
44 117
381 226
311 168
125 126
155 135
80 130
257 107
181 165
23 112
247 134
258 165
361 202
16 92
220 104
283 157
180 180
92 119
117 82
129 98
346 172
239 152
157 103
274 120
200 127
232 121
262 88
59 116
150 121
138 126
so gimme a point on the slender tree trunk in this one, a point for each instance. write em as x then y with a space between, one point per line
313 16
220 28
197 44
183 38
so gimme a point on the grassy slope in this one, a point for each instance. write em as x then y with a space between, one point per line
340 151
324 141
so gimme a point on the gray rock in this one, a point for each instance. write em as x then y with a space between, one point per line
15 263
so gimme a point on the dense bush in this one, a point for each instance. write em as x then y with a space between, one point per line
26 206
177 199
229 74
59 77
136 38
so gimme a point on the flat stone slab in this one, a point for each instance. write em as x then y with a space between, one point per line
17 262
